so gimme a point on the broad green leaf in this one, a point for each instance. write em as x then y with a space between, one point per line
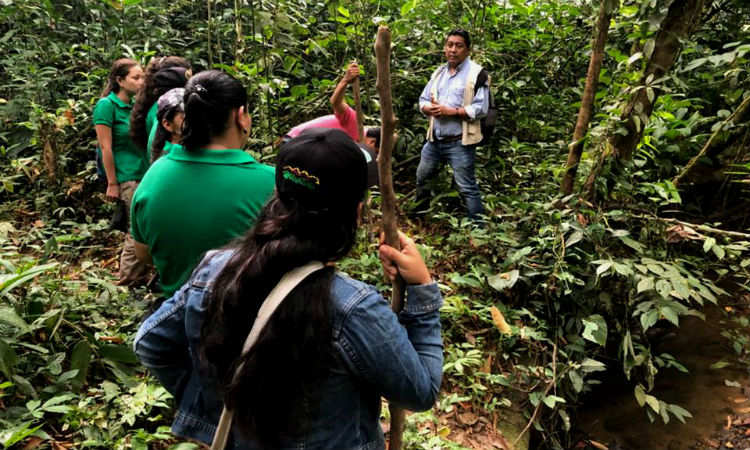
632 243
694 64
8 359
670 315
8 315
551 400
640 395
574 238
503 281
183 446
649 318
635 57
576 380
708 244
663 287
80 359
592 365
603 268
679 412
118 353
646 284
595 329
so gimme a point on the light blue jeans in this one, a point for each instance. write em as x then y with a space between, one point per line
461 159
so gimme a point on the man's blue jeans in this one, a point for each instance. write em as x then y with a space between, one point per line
461 159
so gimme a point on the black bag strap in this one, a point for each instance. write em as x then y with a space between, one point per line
481 80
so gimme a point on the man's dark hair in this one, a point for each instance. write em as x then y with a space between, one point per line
374 132
460 32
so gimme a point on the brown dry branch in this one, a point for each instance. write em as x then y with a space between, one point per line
388 196
589 93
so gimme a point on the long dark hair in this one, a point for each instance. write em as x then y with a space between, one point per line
162 134
120 69
149 94
281 371
210 97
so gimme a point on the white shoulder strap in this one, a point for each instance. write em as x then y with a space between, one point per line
287 283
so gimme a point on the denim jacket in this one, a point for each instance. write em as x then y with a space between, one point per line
377 354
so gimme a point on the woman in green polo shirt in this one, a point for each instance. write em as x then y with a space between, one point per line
169 116
205 192
124 163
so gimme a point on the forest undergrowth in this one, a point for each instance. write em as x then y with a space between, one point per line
556 290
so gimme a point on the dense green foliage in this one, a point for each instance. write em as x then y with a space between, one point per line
538 304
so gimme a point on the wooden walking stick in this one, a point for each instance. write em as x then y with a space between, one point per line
358 110
388 196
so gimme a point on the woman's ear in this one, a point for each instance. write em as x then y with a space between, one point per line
168 125
243 120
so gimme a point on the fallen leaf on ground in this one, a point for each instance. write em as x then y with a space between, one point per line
598 445
33 442
468 418
709 442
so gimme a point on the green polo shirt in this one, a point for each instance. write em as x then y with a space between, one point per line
190 202
151 119
151 136
131 162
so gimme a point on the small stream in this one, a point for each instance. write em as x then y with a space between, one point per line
611 415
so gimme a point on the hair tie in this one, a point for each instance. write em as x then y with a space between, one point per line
199 88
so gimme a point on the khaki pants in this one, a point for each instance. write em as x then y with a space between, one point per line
132 271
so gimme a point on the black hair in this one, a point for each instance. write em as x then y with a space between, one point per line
285 236
210 97
149 94
120 69
462 33
374 133
162 134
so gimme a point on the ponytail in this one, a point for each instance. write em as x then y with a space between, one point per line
210 97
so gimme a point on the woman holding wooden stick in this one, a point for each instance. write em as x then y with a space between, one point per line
313 374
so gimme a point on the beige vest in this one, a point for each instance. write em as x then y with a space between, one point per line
472 129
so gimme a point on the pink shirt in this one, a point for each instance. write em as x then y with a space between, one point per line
347 123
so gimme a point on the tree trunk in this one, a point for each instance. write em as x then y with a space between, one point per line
589 93
388 196
49 150
238 43
681 16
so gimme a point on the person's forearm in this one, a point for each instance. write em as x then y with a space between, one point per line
104 138
337 99
143 253
108 159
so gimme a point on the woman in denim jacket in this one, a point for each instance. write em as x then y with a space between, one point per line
316 374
